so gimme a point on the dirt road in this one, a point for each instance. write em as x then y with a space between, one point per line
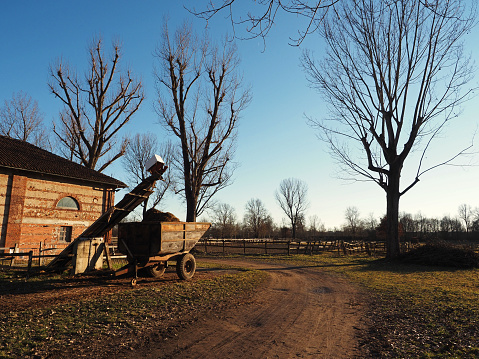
301 313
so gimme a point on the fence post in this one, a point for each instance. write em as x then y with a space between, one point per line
244 246
289 251
206 246
40 251
15 250
223 246
30 258
265 246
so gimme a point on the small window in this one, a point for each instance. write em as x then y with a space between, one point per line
68 202
65 234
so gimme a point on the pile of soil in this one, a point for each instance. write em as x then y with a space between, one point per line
154 215
444 254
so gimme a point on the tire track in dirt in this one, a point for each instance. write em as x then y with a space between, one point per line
301 312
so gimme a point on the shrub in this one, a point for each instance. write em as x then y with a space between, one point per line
442 253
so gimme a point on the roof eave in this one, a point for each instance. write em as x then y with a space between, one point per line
112 185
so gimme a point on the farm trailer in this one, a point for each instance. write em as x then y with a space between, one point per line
151 247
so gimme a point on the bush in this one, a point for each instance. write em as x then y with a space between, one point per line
445 254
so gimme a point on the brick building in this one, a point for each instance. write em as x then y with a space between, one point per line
47 199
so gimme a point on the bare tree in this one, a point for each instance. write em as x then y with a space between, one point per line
224 219
371 222
466 214
261 15
393 76
199 101
138 151
315 225
353 220
95 107
256 217
292 198
20 118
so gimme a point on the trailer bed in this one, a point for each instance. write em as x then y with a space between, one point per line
147 240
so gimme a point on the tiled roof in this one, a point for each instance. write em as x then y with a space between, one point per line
25 156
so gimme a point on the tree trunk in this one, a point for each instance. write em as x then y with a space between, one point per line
190 208
392 214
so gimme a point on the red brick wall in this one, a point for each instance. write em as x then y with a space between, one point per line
17 186
33 215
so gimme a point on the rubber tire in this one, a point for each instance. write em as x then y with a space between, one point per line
157 270
186 266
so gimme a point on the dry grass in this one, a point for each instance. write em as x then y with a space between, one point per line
75 327
416 311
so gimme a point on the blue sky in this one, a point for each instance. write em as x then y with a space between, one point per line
274 140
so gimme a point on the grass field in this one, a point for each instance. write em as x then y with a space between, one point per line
414 311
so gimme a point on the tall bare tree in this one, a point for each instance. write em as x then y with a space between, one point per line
256 217
315 225
224 219
261 15
200 99
466 214
292 198
371 222
21 118
96 107
394 74
138 151
353 220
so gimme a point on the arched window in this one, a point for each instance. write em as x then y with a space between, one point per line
68 203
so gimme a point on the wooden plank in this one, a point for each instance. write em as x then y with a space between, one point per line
15 250
108 257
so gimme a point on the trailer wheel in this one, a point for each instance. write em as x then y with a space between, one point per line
157 270
186 266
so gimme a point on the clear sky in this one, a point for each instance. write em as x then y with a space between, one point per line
274 140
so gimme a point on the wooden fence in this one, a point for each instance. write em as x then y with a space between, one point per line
12 256
43 253
289 247
218 246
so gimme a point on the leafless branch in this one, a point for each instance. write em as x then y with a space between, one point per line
95 108
200 100
261 17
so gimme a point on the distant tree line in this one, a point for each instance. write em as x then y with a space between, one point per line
258 223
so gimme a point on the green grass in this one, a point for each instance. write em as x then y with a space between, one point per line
40 331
